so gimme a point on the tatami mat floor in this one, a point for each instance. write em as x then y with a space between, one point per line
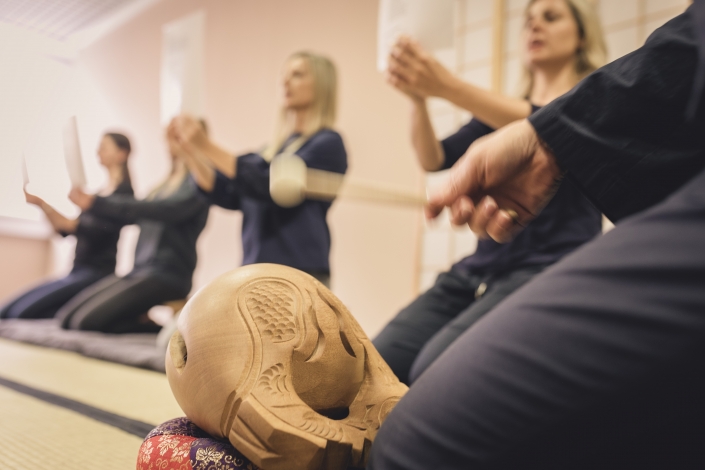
35 434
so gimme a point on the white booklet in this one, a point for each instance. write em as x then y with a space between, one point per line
72 153
25 173
429 22
182 88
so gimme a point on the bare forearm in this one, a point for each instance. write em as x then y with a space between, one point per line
423 138
222 160
202 172
57 220
494 109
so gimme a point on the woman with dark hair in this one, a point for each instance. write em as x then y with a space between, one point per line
96 239
171 219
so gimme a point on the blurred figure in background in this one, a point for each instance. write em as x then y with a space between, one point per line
597 363
299 236
562 43
96 239
170 219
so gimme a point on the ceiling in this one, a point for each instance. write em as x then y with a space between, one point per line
60 19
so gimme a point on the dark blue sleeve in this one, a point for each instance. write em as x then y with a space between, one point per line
224 192
325 151
252 177
621 134
181 205
455 146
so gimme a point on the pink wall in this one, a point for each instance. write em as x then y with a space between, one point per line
25 261
375 248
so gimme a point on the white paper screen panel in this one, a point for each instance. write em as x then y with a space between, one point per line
182 80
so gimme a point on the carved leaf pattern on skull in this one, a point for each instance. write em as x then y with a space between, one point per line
315 424
271 305
273 380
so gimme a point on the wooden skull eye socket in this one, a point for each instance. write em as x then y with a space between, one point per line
177 349
335 414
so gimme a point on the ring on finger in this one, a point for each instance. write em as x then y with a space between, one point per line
513 215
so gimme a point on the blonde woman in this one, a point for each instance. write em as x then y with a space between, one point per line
298 236
561 43
171 219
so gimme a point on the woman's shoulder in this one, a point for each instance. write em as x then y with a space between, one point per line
326 142
325 151
327 136
124 188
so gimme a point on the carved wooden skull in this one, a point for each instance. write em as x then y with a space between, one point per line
268 357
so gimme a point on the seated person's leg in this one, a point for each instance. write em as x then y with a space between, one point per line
116 308
43 301
8 310
401 340
597 363
498 287
65 313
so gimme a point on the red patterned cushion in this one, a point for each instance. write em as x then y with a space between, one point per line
180 445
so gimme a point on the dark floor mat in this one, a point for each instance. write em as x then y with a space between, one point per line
138 350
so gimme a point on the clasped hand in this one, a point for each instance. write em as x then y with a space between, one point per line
185 132
500 184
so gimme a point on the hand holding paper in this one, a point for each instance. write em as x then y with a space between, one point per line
32 199
28 197
429 22
415 72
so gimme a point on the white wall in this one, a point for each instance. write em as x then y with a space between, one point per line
375 248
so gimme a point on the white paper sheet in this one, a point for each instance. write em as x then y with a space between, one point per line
72 153
182 78
25 173
430 22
